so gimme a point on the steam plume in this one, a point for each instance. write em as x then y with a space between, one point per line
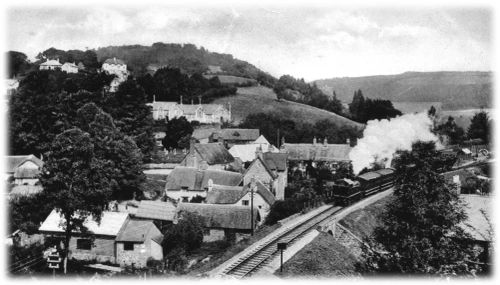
382 138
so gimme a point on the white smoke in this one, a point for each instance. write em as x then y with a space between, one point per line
382 138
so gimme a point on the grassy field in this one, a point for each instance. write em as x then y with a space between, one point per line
462 117
230 79
327 258
258 99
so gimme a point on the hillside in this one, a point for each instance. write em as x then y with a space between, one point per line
187 57
456 90
258 99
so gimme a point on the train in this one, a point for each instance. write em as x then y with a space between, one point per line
346 191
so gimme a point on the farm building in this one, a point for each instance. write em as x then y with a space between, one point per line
116 239
230 137
230 222
241 195
208 156
184 183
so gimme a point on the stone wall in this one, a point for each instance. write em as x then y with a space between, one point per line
102 250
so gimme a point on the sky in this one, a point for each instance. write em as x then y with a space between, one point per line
305 41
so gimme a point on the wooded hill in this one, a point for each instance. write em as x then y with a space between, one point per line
456 90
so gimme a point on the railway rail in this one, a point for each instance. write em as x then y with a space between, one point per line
260 256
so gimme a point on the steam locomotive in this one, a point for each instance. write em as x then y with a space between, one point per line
346 191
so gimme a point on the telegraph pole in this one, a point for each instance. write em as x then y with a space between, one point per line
251 202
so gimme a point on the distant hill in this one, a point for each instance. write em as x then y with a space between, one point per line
187 57
455 90
258 99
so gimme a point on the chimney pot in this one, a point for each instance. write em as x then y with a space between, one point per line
314 140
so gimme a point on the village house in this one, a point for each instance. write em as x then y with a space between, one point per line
230 137
222 222
116 239
263 199
50 64
184 183
302 155
271 169
203 134
12 85
69 67
246 153
116 67
203 113
23 169
208 156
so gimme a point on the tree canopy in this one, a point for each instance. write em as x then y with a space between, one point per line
480 127
365 109
178 133
420 231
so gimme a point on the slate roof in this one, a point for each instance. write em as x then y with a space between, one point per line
221 216
114 61
214 153
156 210
51 62
239 134
14 161
71 64
476 224
110 225
189 109
156 105
210 109
275 161
317 152
137 231
203 133
194 179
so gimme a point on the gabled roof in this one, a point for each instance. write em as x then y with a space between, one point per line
203 133
260 160
275 161
213 153
193 179
137 231
110 225
221 216
51 62
261 140
156 210
317 152
114 61
71 64
263 191
247 152
13 161
163 105
239 134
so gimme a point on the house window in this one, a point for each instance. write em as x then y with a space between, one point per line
244 202
85 244
185 199
128 246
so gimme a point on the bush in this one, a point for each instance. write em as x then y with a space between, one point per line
283 209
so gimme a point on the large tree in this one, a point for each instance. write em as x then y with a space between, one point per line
112 145
128 107
455 133
420 231
18 63
76 182
178 133
480 127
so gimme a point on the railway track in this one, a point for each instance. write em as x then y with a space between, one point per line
263 254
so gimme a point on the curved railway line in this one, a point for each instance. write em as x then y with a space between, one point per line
263 254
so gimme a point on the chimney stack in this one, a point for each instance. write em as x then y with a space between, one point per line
192 102
253 184
210 185
180 100
282 141
325 141
314 140
258 152
199 100
192 161
154 98
348 142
